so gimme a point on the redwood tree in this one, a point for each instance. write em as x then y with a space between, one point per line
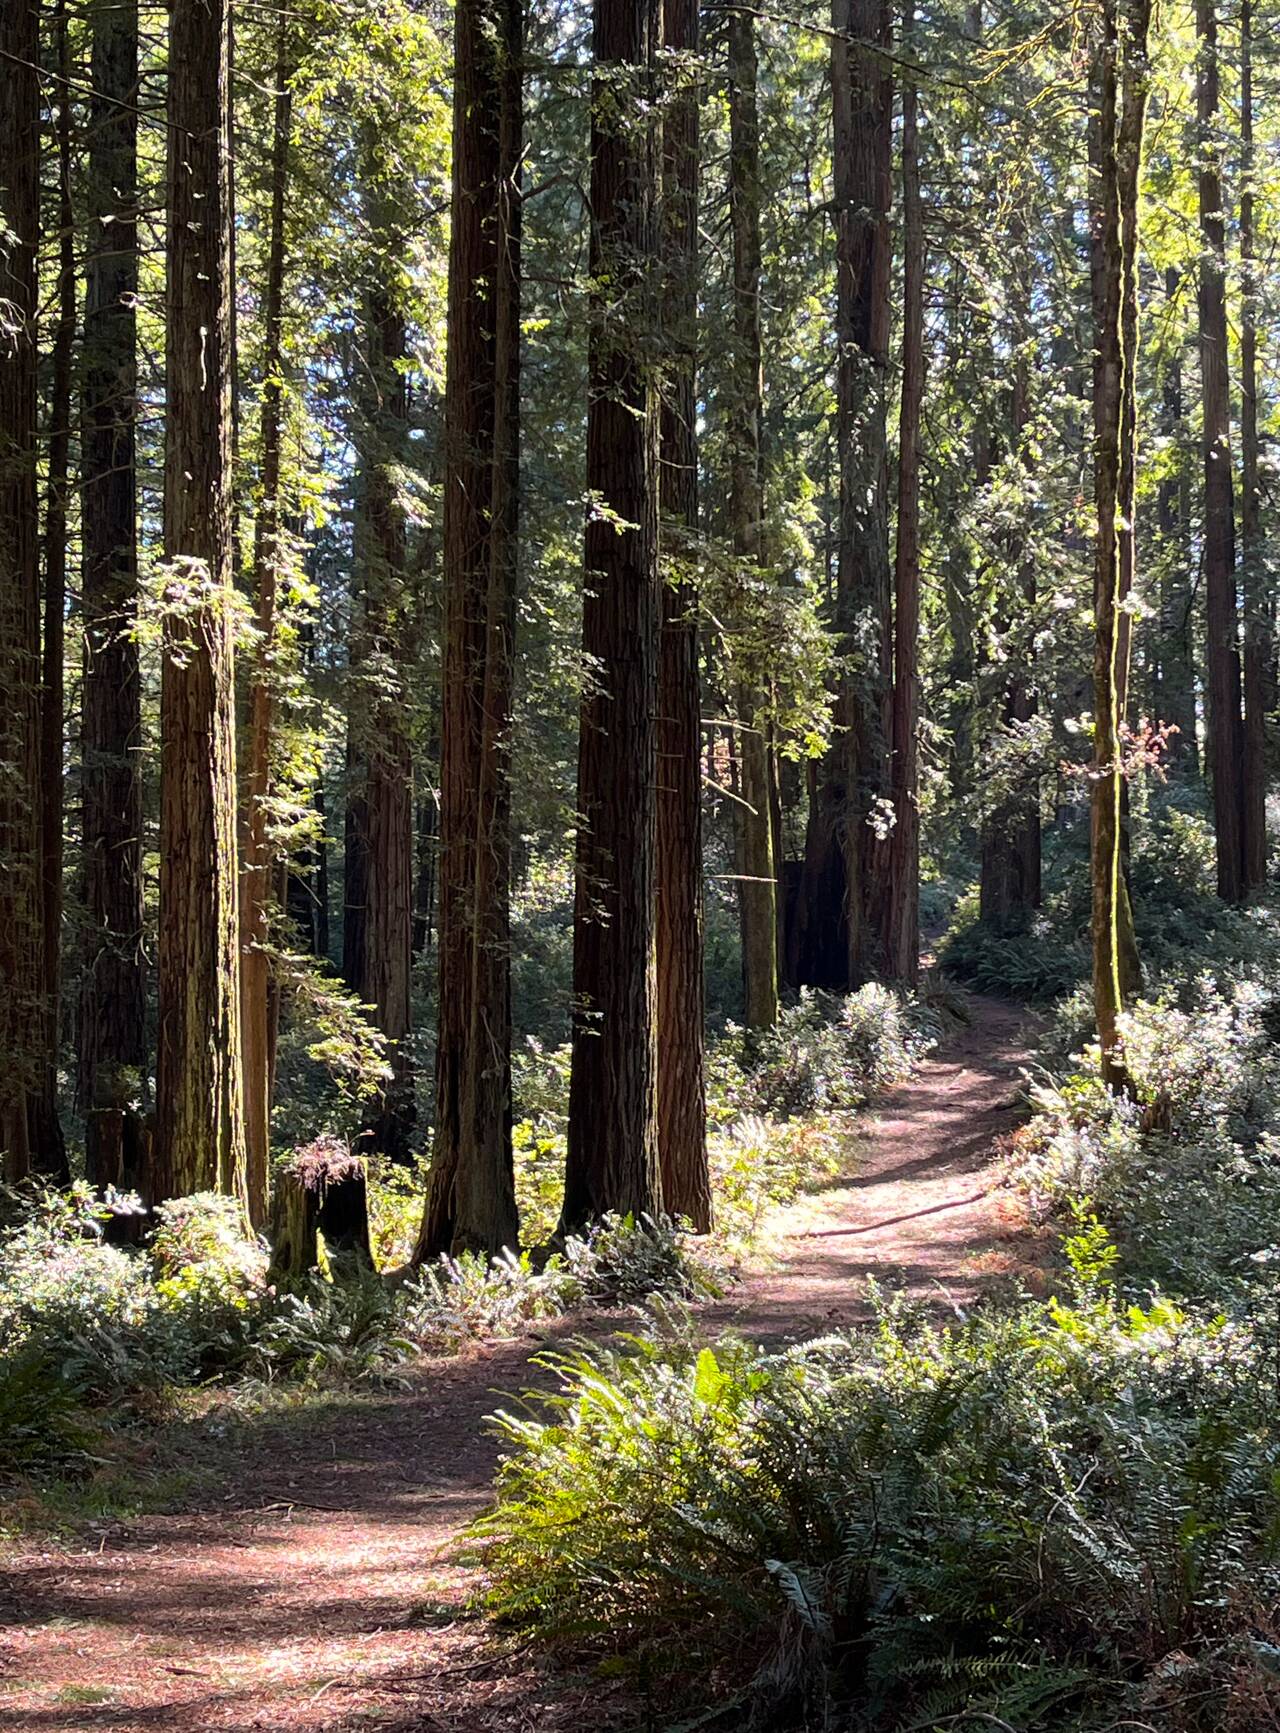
1225 744
112 1004
836 938
613 1153
1256 669
49 1151
21 1005
200 1142
378 925
471 1197
682 1109
758 884
258 863
902 893
1119 87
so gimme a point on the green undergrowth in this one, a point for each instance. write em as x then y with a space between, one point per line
1182 926
100 1343
1059 1515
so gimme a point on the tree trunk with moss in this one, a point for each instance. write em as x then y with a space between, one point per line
1118 93
1258 648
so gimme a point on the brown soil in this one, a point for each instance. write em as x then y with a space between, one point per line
320 1588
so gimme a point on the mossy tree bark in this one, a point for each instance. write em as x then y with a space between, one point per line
1118 96
321 1189
200 1140
1258 648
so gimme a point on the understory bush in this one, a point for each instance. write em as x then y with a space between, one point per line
1185 1171
1182 926
93 1334
1055 1517
1059 1515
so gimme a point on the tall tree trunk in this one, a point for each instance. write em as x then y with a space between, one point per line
682 1107
903 896
1175 694
1257 600
1009 881
112 1004
758 890
486 1211
199 1097
1118 95
471 1198
21 1008
49 1152
1225 725
258 863
836 938
613 1150
383 961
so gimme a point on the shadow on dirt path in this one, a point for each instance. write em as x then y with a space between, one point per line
320 1590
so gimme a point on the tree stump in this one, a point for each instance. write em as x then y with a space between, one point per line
321 1188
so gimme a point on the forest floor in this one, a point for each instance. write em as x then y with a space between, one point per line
311 1581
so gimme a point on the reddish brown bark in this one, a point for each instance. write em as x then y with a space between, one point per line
21 1008
470 1199
48 1148
112 1051
836 938
757 887
902 896
613 1155
682 1111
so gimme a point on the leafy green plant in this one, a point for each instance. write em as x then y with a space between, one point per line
1021 1518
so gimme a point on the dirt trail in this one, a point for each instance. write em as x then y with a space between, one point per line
318 1591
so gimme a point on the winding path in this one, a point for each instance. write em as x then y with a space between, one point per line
317 1590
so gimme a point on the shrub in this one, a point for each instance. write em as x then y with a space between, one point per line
823 1053
1032 1517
